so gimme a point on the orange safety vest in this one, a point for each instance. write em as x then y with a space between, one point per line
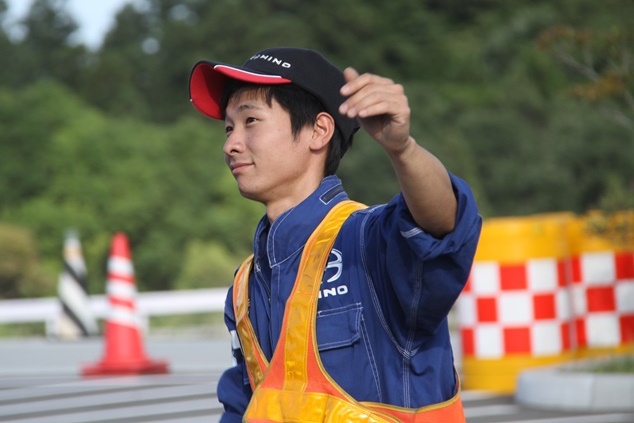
294 386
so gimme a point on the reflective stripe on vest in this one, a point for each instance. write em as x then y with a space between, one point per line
295 387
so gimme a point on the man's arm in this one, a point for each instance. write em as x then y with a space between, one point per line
383 110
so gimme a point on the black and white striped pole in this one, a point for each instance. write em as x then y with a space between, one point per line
76 319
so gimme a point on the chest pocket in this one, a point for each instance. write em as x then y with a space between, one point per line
346 356
339 327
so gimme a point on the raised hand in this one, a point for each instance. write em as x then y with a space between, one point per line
380 105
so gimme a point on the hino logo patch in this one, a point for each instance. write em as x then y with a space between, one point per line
271 59
331 275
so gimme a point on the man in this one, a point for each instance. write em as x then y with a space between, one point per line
367 339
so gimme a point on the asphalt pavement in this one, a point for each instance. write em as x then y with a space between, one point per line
41 382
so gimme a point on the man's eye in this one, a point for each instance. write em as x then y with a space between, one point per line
228 129
250 120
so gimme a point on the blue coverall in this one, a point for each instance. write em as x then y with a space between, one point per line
382 324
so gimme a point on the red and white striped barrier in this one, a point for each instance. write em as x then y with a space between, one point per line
515 309
544 289
603 299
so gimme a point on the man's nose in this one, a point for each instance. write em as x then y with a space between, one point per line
234 142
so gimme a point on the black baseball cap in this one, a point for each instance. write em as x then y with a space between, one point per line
304 68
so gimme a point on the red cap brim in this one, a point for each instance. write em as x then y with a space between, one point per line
207 82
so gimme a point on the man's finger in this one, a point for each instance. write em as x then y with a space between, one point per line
350 74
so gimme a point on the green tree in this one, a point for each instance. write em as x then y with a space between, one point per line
20 272
124 74
603 60
206 265
513 97
27 125
162 186
48 49
596 54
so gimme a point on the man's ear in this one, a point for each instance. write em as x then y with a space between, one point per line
323 129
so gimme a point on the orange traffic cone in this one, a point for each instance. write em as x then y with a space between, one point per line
124 352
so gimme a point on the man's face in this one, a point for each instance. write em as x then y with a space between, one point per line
264 156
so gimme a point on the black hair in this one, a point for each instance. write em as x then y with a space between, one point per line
302 107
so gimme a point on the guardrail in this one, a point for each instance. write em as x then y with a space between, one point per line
157 303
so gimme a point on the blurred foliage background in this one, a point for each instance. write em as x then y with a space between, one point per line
530 101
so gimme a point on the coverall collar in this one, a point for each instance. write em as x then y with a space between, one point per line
290 231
